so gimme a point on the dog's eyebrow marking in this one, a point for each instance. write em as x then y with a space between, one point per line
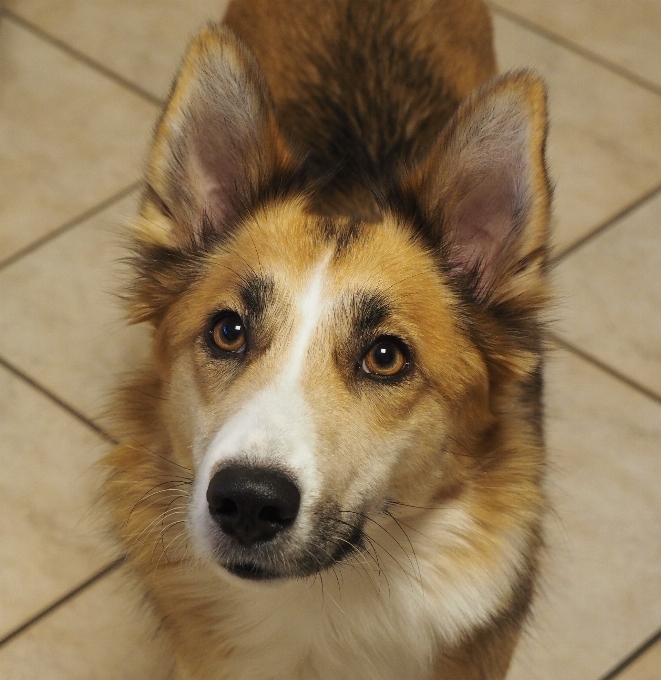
368 309
257 294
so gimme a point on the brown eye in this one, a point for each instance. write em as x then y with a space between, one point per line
385 358
228 333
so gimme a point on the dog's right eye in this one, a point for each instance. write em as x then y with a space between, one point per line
227 333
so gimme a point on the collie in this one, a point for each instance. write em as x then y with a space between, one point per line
332 467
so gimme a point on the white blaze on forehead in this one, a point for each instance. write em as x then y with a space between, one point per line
309 308
276 424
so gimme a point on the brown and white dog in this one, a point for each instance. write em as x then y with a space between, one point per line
332 468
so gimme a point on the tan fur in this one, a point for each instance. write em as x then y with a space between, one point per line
454 36
446 463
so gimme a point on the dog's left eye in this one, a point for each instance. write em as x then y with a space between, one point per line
386 357
228 333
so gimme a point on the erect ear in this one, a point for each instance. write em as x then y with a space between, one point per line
484 189
216 143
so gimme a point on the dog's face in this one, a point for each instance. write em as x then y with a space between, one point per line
319 359
320 369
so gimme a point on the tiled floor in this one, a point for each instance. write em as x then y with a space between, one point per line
80 83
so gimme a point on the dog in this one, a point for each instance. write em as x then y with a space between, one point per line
332 467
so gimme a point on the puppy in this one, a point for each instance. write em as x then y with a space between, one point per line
332 467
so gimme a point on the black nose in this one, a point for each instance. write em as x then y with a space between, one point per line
252 504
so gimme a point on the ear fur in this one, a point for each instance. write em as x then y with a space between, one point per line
484 189
215 144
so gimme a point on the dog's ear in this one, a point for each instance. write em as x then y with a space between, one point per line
216 143
484 192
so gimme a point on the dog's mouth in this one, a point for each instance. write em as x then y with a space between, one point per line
251 571
317 557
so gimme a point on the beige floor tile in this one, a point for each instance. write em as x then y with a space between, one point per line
623 33
601 593
102 634
647 667
49 540
610 297
140 40
69 137
62 320
605 139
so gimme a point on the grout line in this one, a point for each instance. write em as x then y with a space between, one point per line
81 57
91 212
598 231
574 47
58 603
650 394
637 653
54 398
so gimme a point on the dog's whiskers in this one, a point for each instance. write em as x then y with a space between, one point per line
179 493
375 557
149 528
385 550
158 455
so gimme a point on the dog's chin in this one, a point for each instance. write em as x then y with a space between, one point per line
250 571
253 570
282 561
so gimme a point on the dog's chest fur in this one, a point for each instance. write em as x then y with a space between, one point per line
354 622
317 632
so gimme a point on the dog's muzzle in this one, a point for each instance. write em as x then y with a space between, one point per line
255 510
252 506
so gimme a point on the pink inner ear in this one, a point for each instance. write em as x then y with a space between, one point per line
493 198
482 224
214 175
